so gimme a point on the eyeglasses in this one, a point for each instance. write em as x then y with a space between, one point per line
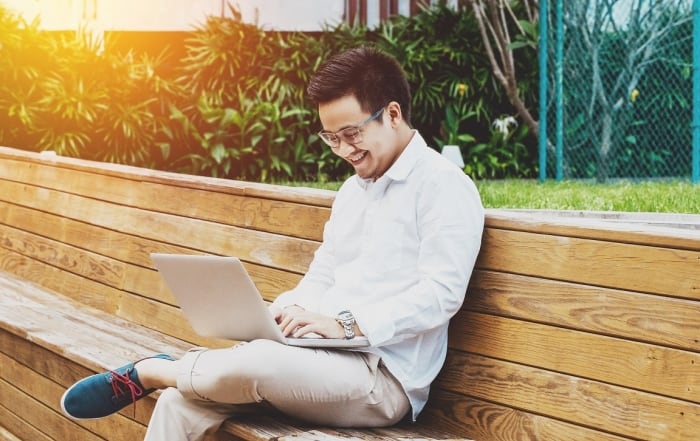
349 135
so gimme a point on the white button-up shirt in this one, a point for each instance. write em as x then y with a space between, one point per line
398 253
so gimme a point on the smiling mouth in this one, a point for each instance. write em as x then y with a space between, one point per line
357 158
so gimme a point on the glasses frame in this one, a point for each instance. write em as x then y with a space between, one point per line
349 134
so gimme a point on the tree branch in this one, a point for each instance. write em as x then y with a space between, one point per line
492 18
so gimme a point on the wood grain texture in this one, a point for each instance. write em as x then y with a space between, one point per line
468 416
15 428
260 247
211 203
590 227
35 414
128 309
306 196
675 272
587 403
632 364
41 408
573 329
631 315
64 371
278 427
62 243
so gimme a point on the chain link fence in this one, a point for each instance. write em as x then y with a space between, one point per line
619 85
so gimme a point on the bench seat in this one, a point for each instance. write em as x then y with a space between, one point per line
39 325
574 328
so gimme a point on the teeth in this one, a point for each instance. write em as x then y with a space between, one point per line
357 158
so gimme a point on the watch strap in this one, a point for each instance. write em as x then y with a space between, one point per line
347 321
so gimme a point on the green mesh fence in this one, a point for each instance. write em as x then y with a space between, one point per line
619 89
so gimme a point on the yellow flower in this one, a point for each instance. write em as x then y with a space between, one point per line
461 89
634 94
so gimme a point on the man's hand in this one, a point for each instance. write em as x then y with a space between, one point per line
297 322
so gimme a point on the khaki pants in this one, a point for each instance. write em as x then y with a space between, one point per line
319 386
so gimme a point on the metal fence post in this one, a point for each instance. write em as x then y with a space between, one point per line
696 92
542 43
559 87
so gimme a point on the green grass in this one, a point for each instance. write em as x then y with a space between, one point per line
653 196
657 196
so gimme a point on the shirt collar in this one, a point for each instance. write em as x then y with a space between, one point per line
403 165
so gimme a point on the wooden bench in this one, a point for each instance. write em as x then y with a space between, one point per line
574 328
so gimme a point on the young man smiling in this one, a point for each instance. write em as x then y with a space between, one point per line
396 258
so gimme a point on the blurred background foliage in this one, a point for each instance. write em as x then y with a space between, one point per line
232 103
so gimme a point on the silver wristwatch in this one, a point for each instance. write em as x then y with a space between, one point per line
347 320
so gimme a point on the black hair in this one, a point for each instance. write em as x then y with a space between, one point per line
371 76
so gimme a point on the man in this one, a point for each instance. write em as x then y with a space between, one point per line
396 258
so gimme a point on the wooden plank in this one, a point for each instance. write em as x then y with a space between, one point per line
649 318
161 317
50 278
550 392
69 258
593 262
254 246
45 408
656 369
111 302
120 275
45 365
637 232
402 431
6 435
579 401
484 420
306 196
448 416
16 429
506 219
149 284
62 327
62 242
258 427
278 427
51 318
36 415
38 359
64 371
115 244
626 219
281 217
59 369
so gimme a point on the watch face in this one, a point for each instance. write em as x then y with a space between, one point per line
348 321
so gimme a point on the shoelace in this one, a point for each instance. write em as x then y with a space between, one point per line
117 381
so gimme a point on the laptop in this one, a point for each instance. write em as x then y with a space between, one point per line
219 299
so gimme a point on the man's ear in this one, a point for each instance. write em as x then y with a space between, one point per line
394 111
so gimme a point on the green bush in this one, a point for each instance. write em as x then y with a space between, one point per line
234 106
65 92
456 97
244 115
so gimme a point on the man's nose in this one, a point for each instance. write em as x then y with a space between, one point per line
344 149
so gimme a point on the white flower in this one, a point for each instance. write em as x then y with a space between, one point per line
504 124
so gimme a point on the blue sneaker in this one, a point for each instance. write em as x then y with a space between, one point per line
103 394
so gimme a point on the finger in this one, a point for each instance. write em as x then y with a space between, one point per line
286 319
276 312
292 326
301 331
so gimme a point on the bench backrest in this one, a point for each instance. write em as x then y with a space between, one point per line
575 329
